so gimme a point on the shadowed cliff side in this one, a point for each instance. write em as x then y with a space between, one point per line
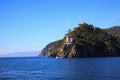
45 50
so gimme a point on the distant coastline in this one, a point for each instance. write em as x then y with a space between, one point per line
21 54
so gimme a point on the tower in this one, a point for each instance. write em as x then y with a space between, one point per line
68 38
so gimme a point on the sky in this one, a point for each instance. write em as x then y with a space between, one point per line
29 25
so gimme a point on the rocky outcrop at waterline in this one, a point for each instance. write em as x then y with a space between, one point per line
45 50
67 51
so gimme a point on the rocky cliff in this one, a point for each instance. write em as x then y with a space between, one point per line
88 41
45 50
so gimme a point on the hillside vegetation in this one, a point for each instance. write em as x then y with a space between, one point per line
88 41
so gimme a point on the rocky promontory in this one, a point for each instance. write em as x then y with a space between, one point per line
87 41
45 50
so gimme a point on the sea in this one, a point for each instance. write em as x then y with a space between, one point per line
44 68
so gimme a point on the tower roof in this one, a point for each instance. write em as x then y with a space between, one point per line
69 30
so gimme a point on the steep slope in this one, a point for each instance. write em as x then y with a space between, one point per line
45 50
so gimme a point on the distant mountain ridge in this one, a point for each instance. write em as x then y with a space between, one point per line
115 30
21 54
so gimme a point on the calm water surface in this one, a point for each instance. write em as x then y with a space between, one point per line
43 68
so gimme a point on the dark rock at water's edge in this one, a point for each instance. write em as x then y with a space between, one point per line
88 41
44 51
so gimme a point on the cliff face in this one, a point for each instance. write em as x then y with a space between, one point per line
88 41
45 50
67 51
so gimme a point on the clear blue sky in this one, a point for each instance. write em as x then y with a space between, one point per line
28 25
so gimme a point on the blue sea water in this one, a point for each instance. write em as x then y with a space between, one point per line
43 68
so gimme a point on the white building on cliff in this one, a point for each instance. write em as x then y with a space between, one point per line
68 38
